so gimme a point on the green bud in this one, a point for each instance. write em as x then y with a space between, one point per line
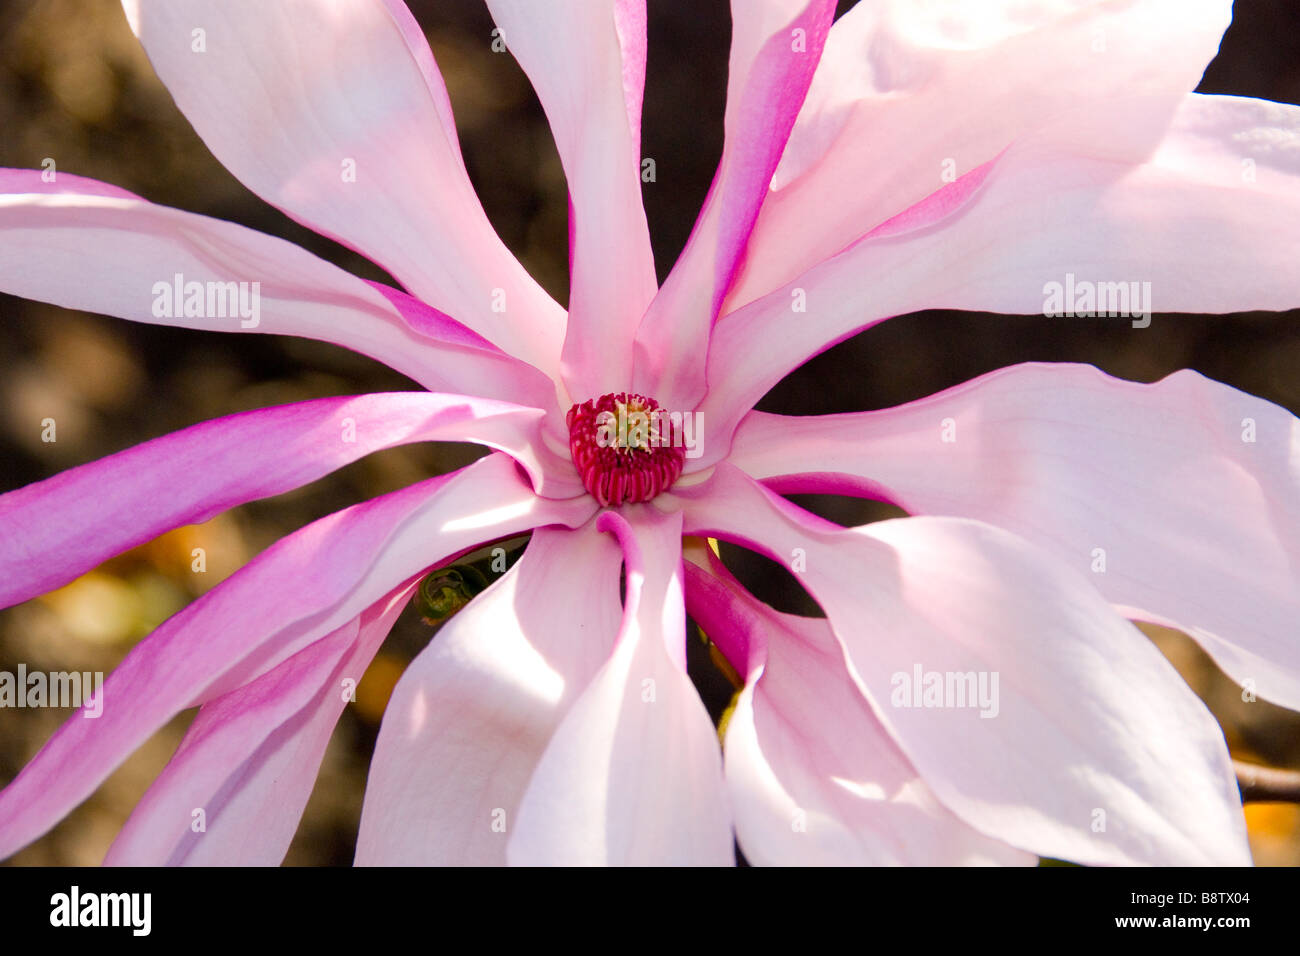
445 591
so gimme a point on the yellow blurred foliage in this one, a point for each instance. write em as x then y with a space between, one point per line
1274 830
376 686
128 596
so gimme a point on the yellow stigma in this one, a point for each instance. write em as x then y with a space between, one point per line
636 437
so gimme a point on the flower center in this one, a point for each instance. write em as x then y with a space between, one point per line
622 447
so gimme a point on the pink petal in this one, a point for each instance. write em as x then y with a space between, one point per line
1088 715
814 778
1198 527
485 369
937 84
297 591
471 716
632 775
587 64
334 111
1209 221
251 757
57 529
125 254
774 50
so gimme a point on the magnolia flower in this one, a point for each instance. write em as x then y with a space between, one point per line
956 155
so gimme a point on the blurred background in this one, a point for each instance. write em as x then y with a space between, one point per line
75 86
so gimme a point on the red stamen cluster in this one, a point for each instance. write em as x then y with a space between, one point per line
620 461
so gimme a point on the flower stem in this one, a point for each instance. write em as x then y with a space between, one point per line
1267 783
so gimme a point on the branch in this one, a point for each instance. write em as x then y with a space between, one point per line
1267 783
